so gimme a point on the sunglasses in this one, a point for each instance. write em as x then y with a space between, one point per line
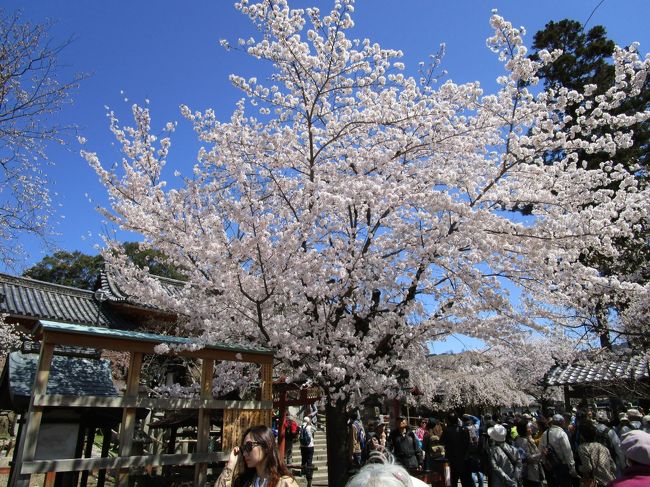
248 446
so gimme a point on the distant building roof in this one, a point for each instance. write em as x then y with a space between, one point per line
69 376
623 366
22 297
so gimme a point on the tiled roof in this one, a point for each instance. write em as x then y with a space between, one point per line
22 297
624 366
69 376
148 337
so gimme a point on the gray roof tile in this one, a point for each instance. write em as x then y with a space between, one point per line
628 366
22 297
69 376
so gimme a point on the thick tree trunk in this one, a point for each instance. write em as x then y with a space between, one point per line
338 454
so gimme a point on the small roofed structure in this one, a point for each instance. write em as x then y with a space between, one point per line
63 428
620 374
237 415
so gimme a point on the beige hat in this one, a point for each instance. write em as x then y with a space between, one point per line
646 419
634 414
636 446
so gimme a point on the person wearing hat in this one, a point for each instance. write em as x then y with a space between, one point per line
505 463
636 448
623 424
555 439
634 416
645 423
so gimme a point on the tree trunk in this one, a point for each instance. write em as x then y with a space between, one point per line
602 326
338 454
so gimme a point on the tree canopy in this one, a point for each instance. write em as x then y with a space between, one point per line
587 60
31 93
81 270
348 213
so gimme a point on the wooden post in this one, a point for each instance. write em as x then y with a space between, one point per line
88 452
106 446
266 382
203 432
50 479
127 428
282 423
35 413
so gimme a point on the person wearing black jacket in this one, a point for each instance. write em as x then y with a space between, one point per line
405 446
456 441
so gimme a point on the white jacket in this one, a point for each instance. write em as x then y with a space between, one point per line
559 440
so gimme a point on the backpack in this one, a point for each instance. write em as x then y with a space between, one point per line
305 436
550 458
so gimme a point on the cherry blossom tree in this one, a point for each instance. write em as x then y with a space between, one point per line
347 214
31 91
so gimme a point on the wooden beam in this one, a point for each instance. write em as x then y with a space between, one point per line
126 344
203 431
56 400
111 463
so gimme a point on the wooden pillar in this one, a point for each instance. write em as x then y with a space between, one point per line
266 383
567 399
127 428
282 423
88 453
50 479
18 449
35 413
203 432
106 446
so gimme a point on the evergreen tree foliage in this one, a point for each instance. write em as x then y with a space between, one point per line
587 59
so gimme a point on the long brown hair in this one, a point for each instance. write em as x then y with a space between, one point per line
274 465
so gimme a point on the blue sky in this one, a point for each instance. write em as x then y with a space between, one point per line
168 52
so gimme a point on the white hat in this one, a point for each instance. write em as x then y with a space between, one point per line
497 433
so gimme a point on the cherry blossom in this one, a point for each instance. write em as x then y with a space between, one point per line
347 213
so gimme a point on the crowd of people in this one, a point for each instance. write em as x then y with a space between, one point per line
583 448
580 449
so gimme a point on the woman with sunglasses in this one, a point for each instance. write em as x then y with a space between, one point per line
256 463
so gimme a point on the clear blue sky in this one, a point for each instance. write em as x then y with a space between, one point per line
167 51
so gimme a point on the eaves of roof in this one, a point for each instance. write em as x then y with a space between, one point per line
627 366
22 297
